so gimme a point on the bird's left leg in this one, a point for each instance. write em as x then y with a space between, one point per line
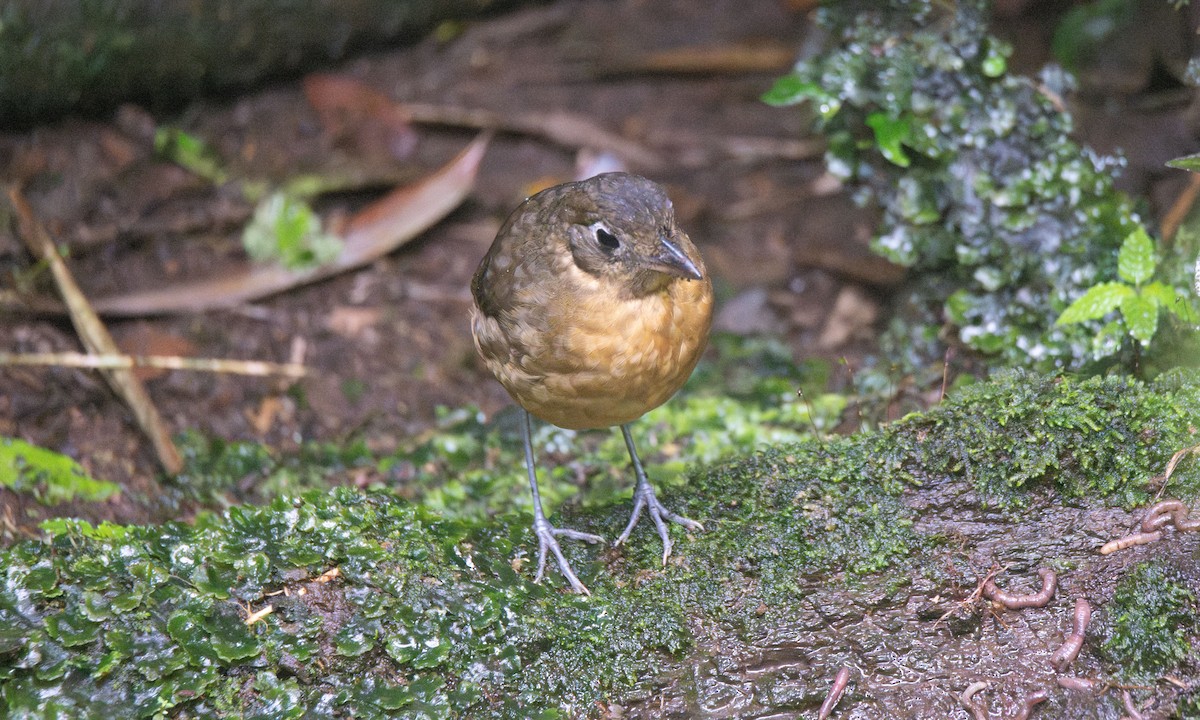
645 499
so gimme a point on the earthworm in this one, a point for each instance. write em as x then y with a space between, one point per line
1031 699
840 681
1159 514
1182 524
1077 683
1065 655
968 700
1015 602
1141 538
1134 713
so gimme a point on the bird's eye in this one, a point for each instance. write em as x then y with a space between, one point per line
607 239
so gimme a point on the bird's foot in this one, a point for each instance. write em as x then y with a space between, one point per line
546 534
644 499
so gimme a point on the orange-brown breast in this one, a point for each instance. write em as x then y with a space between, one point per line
579 356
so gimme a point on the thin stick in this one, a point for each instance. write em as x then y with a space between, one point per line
95 336
165 362
1180 208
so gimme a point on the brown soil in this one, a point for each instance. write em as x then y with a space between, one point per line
389 344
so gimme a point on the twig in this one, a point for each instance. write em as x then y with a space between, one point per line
561 128
1174 463
95 336
1180 208
165 362
734 59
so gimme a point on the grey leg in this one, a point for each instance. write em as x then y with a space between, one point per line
541 526
644 499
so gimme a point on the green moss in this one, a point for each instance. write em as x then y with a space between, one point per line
1189 705
1004 218
1090 438
1153 622
50 477
435 616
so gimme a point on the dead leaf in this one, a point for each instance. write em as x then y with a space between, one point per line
144 339
377 230
351 110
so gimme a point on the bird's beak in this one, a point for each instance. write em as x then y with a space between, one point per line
672 260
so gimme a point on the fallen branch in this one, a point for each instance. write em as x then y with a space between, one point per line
95 336
165 362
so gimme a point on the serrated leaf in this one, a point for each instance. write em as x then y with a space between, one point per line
1188 162
1097 302
286 230
1164 296
1136 261
1141 317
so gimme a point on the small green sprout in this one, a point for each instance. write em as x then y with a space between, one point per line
287 230
190 152
1139 299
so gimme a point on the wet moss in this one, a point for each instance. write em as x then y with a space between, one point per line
982 191
435 616
1153 623
1103 437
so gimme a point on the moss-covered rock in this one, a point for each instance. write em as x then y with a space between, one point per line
1153 618
434 617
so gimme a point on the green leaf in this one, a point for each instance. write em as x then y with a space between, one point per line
286 230
72 628
1141 317
1097 302
890 135
995 62
1165 297
50 477
792 89
229 638
1136 261
1188 162
190 152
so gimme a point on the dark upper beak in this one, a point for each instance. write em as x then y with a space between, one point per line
672 260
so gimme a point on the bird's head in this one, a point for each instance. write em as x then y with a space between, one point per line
621 227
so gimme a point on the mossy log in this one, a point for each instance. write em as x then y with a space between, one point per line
864 552
86 57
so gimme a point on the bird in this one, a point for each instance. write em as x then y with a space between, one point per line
592 307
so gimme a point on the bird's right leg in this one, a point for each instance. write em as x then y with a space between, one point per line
541 526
